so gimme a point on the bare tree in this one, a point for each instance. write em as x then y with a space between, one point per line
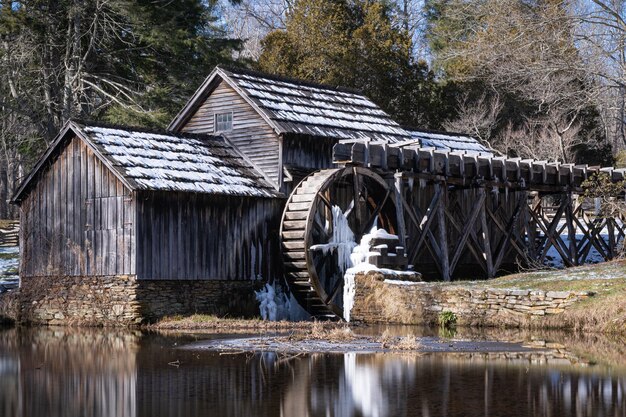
478 117
252 20
529 51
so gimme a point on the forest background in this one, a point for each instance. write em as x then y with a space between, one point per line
542 79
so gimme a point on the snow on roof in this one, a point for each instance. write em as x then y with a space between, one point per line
303 108
168 162
448 141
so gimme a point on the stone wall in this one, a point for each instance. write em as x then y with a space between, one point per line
380 300
124 300
9 307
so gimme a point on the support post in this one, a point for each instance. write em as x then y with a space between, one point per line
399 208
485 235
571 229
443 235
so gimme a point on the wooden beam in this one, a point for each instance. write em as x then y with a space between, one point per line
399 208
485 235
443 236
466 232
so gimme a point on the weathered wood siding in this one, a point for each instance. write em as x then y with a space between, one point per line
251 133
78 219
306 154
193 236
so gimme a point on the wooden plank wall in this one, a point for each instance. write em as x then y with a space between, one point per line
251 133
78 220
307 154
207 237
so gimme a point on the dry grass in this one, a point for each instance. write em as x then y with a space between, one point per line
391 301
325 331
227 325
391 342
407 343
604 312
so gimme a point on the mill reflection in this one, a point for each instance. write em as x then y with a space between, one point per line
64 372
103 373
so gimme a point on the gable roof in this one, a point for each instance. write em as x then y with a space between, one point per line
291 106
448 141
152 161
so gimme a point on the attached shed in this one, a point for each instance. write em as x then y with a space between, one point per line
155 208
285 127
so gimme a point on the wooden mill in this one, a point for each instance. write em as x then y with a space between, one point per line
260 177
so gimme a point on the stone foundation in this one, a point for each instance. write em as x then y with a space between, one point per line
124 300
380 300
9 307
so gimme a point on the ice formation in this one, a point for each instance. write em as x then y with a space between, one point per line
273 303
342 240
360 262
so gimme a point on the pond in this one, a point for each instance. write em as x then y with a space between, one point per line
100 372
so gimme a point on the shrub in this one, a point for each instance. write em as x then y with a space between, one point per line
447 319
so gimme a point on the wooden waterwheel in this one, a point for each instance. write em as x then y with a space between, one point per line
325 217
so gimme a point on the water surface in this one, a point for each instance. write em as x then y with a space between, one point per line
96 372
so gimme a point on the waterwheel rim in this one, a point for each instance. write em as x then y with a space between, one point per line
363 198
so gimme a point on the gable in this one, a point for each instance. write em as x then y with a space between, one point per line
300 108
152 161
251 133
56 149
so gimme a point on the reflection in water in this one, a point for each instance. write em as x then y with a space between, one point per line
50 372
54 372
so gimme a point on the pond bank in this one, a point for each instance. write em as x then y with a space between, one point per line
589 298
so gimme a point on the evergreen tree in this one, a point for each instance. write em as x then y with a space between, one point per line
359 44
123 61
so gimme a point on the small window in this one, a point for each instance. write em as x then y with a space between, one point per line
223 122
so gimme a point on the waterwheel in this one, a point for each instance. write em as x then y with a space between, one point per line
325 217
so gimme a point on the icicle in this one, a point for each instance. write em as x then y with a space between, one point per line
495 191
348 295
506 194
422 183
411 183
342 240
273 303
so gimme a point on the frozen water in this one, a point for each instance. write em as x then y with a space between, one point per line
9 263
274 305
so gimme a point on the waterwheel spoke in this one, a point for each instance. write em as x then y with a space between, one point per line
317 221
338 285
377 209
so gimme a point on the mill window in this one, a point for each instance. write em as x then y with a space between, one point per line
223 122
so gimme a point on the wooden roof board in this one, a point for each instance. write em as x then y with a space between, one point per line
291 106
165 162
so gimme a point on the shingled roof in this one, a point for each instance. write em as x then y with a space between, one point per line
448 141
297 107
165 162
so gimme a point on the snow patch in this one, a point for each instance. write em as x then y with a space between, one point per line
360 261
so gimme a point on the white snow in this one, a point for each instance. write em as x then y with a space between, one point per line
449 142
320 111
173 163
360 262
401 282
554 259
9 263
